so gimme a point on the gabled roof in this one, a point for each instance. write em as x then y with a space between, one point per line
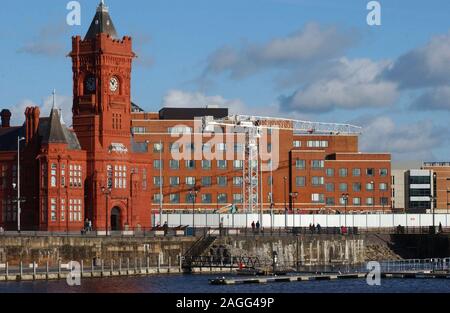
102 23
55 132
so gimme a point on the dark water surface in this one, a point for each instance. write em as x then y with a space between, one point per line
199 284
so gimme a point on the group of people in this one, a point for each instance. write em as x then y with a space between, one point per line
88 225
256 226
315 229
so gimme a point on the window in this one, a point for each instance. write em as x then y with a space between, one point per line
174 147
300 181
315 164
330 201
317 198
369 186
157 181
157 198
330 187
206 148
300 164
238 147
269 147
189 147
221 147
369 201
75 208
3 176
330 172
356 201
318 181
53 210
419 180
357 187
297 144
206 181
174 164
356 172
190 164
158 164
206 198
343 187
109 176
238 164
222 198
384 201
75 176
383 172
317 144
120 176
222 181
222 164
174 198
190 181
180 130
237 198
343 172
270 180
206 164
63 210
139 130
237 181
174 181
53 175
370 172
63 175
383 186
158 147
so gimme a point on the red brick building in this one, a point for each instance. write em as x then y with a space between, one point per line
109 166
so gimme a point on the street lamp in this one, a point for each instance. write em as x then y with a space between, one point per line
193 193
285 200
293 196
106 191
345 197
19 200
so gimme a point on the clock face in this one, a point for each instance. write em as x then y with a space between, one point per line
90 84
113 84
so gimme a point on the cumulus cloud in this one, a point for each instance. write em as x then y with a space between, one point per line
404 141
433 99
424 66
310 44
346 84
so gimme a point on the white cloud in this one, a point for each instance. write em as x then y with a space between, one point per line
425 66
346 84
308 45
62 102
184 99
413 141
433 99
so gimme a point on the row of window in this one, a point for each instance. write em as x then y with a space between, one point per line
311 144
342 172
75 174
207 147
206 181
4 175
75 210
191 164
320 198
205 198
330 187
9 211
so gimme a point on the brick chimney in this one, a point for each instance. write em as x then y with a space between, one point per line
6 118
31 122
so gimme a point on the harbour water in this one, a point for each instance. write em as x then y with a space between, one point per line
199 284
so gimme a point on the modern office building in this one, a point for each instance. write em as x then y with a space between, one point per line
118 164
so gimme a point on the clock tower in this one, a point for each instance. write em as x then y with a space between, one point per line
101 85
101 64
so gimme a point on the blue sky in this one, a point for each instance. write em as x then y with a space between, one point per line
308 59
